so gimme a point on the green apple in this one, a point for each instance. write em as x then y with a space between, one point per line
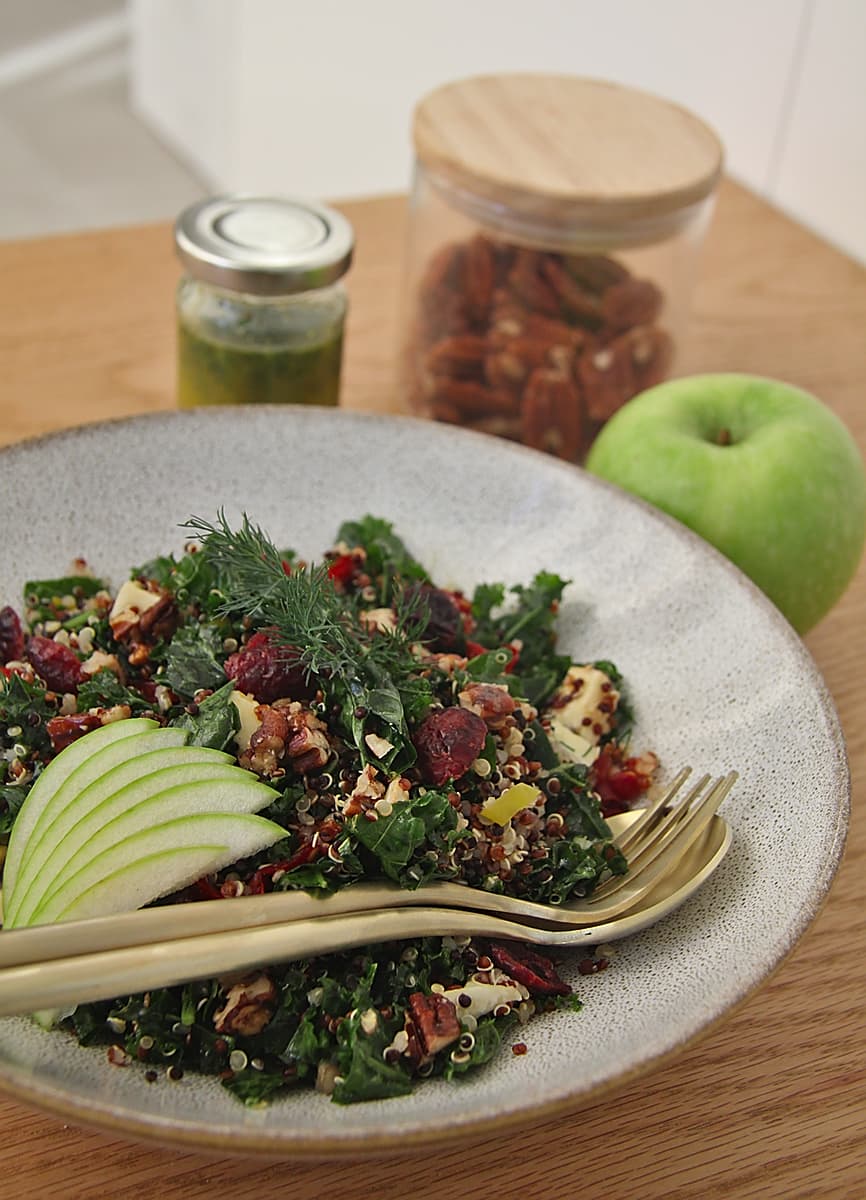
187 783
127 814
42 800
761 469
157 861
107 770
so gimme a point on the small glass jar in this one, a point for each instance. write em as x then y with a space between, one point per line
555 225
261 308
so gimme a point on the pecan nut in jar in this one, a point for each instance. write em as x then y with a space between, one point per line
534 345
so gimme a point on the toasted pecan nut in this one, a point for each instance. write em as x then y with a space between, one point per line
248 1007
530 287
491 701
555 333
608 379
631 302
461 357
595 271
652 351
532 344
552 413
575 301
479 278
473 399
506 370
435 1022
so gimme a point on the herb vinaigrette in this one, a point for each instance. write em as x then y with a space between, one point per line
214 373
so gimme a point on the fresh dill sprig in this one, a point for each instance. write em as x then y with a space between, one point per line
368 672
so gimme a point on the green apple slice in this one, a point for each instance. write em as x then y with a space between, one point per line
172 782
118 764
157 861
41 796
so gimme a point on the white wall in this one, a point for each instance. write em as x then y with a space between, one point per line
316 99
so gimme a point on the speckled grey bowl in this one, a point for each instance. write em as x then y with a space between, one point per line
718 678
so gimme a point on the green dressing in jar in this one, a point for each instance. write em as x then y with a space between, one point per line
261 310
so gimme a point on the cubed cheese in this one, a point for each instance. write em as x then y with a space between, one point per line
585 702
250 720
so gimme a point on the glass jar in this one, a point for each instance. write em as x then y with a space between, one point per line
555 225
261 309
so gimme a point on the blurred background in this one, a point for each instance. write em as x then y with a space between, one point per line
114 112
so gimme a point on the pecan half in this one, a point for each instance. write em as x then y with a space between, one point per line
552 413
608 379
491 701
631 302
531 344
579 304
249 1006
528 283
434 1021
461 356
472 399
479 277
287 735
595 271
652 351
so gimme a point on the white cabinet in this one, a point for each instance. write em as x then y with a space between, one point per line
316 99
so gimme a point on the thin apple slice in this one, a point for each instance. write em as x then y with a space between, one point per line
40 797
191 781
122 762
101 763
156 862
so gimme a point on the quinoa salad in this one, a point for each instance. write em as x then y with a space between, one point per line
411 733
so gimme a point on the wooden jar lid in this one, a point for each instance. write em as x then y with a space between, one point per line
566 150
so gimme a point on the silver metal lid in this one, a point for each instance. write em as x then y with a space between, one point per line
264 246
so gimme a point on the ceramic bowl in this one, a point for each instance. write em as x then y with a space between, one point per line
718 678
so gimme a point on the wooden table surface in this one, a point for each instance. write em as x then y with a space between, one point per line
772 1102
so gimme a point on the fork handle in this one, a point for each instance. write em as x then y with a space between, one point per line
123 972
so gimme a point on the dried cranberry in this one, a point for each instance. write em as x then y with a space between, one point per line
56 665
203 889
617 783
147 687
11 636
63 731
258 882
268 671
342 568
448 742
473 649
533 970
442 629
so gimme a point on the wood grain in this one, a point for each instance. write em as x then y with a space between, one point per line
772 1102
560 148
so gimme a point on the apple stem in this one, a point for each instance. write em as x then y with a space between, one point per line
723 437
